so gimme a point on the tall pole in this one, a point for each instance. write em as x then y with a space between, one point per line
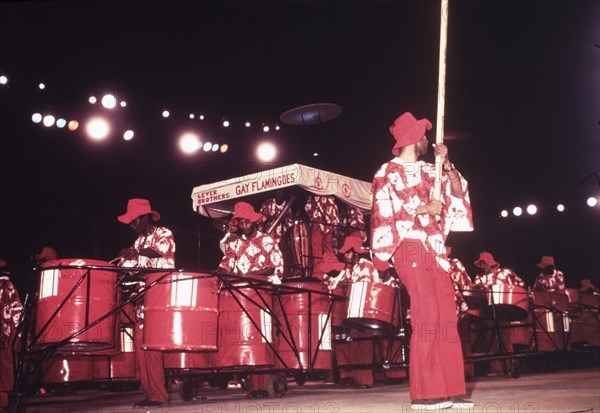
441 102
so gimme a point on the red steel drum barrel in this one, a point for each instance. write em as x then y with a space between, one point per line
510 302
305 322
66 369
300 240
181 312
94 298
121 365
372 307
186 360
244 329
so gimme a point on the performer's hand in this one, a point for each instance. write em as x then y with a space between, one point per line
441 150
434 207
128 252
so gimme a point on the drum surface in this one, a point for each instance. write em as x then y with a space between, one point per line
509 302
304 341
80 304
181 312
475 297
372 308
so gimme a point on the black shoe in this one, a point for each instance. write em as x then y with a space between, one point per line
147 403
256 394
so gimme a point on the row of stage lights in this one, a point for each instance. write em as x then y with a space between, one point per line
533 209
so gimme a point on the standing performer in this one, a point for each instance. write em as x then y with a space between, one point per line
410 227
11 313
252 253
154 247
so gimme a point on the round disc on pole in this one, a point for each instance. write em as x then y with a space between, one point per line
312 114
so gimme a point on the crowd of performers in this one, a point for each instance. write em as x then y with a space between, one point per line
406 247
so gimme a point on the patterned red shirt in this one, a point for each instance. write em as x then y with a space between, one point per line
354 220
499 276
271 210
161 241
245 255
551 282
11 310
461 280
363 270
398 188
322 210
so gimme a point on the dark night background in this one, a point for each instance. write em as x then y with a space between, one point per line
523 81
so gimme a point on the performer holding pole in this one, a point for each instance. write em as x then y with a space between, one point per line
409 227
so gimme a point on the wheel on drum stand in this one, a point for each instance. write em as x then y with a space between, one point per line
300 378
245 383
277 385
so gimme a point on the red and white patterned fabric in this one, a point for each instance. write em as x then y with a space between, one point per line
322 210
245 255
363 270
499 276
161 241
461 280
353 220
399 187
12 307
550 282
271 210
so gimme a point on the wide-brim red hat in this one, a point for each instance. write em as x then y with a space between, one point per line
352 242
244 210
329 263
486 257
137 207
546 261
47 254
407 130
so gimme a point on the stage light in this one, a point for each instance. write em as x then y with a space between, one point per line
128 135
165 113
92 100
48 120
247 124
42 86
207 146
191 116
531 209
36 117
109 101
592 201
276 127
226 123
60 123
517 211
123 103
73 125
189 143
265 128
3 80
504 213
315 154
201 117
266 152
224 148
97 129
215 147
560 207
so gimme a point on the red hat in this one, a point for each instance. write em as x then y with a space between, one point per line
407 130
352 242
546 262
486 257
329 263
246 211
136 208
47 254
2 263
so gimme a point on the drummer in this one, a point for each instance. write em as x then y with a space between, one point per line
12 306
358 352
324 217
550 279
493 274
154 247
272 208
461 280
252 253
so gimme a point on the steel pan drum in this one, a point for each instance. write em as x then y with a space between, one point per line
304 341
475 297
300 240
120 366
591 301
560 301
181 312
71 299
542 301
510 302
66 369
244 329
186 360
573 295
372 307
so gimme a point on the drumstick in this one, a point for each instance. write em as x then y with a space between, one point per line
439 127
115 260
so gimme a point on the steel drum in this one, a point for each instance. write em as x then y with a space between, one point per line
244 329
186 360
475 297
574 296
300 240
71 299
371 307
542 301
510 302
560 301
66 369
181 312
591 301
304 341
121 365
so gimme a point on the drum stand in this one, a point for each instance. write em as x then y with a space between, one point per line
403 333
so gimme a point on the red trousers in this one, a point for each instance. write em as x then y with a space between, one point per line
358 353
151 370
436 367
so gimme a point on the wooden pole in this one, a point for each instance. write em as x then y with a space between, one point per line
441 102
